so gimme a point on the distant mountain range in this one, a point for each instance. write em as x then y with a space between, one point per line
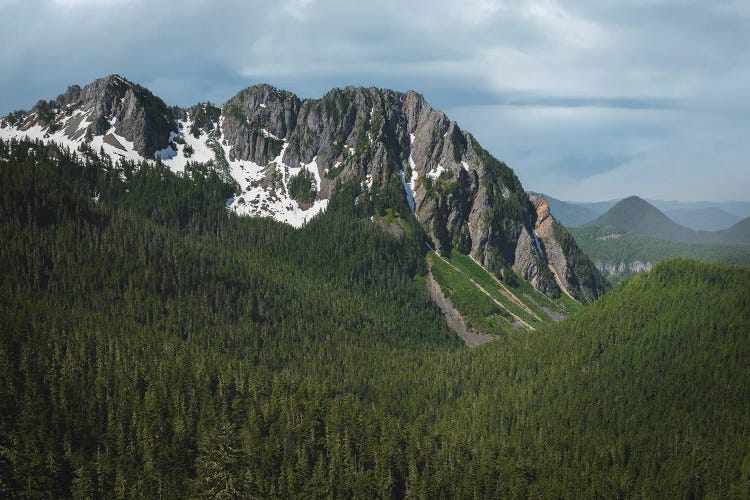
633 235
700 216
636 215
703 219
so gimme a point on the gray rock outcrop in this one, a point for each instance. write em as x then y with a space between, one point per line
392 142
136 114
463 197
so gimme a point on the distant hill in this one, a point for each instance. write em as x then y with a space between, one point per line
697 215
571 214
618 255
703 219
737 234
739 208
636 215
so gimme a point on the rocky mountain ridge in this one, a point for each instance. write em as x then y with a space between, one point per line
287 155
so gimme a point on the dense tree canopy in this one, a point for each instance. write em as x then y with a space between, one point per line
154 345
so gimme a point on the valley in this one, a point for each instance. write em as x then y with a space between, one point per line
157 341
308 249
634 235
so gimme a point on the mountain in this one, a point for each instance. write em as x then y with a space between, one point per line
154 344
739 234
110 113
635 215
703 219
571 214
740 209
634 235
619 254
287 156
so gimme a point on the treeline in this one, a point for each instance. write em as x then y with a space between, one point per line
155 345
613 247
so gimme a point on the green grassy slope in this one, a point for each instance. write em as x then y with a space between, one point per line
491 306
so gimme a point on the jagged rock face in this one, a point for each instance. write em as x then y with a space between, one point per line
531 264
556 260
636 266
110 105
356 132
405 154
462 196
255 119
573 272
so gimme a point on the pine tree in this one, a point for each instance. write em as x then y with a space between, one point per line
221 465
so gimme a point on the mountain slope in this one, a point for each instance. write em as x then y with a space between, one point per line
648 376
154 345
703 219
287 156
618 254
737 234
571 214
637 216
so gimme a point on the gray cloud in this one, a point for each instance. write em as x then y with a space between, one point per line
586 99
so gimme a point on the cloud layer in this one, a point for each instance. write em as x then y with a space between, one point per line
586 100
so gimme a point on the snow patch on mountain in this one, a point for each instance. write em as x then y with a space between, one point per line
263 189
71 133
409 189
435 173
201 152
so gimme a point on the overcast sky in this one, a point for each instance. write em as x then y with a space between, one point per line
586 100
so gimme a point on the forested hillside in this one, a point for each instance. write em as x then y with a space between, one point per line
619 254
155 345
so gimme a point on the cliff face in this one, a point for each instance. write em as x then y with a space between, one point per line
111 107
573 272
461 195
404 153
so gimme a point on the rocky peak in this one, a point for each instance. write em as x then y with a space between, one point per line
405 155
111 107
462 196
543 216
573 272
